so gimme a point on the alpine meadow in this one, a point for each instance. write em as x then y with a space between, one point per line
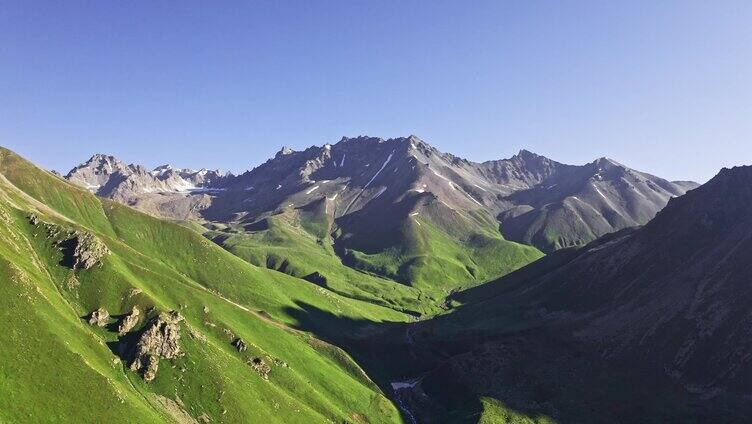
376 212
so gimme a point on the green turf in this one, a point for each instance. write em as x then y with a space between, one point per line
53 357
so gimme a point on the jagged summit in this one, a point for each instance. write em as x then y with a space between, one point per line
284 151
524 153
101 159
165 190
740 175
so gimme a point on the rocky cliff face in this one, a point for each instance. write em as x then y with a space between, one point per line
165 191
107 176
160 339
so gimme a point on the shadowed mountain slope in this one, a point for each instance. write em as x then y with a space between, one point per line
650 324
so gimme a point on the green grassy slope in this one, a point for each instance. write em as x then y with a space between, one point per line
289 242
408 262
434 247
77 370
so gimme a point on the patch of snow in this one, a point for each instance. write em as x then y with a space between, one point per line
399 385
342 162
480 187
473 199
445 179
279 186
312 190
380 192
586 204
333 197
441 176
249 188
184 186
608 202
418 222
203 189
386 162
414 213
327 147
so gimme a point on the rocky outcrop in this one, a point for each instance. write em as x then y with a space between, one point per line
87 250
81 249
100 317
129 321
161 339
240 345
261 367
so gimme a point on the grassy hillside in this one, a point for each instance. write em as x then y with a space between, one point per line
408 261
288 242
81 371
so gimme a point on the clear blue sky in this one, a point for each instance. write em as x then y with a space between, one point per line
662 86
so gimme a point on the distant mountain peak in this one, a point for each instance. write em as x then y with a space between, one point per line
284 151
607 162
97 157
528 155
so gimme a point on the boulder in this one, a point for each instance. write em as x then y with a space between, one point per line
160 339
99 317
240 345
129 321
81 249
88 250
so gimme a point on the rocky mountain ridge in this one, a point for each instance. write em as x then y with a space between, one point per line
107 176
535 200
164 191
671 296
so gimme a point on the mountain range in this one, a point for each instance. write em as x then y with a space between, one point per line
535 200
664 308
398 208
374 281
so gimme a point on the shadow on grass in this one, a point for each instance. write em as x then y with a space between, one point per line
531 374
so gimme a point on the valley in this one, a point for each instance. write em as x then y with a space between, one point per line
389 294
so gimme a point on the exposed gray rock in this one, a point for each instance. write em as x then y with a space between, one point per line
160 339
129 322
261 367
109 177
240 345
100 317
87 251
